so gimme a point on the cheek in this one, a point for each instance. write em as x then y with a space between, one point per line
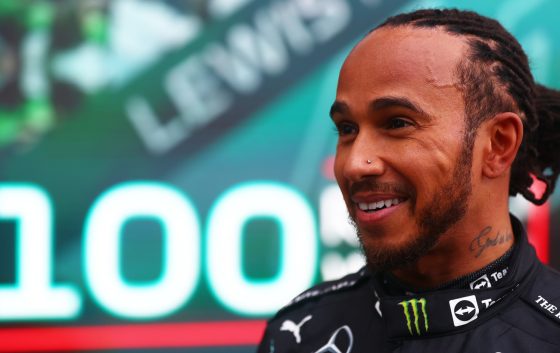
430 163
341 159
341 180
440 155
338 169
338 165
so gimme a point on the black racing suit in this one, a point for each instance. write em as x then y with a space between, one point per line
512 306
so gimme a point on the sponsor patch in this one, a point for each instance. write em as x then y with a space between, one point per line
482 282
550 308
464 310
416 317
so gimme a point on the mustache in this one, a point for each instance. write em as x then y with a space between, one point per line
374 186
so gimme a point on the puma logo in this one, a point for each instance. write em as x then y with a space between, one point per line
291 326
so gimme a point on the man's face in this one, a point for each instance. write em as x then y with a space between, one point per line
399 106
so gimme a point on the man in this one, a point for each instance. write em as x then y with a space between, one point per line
439 121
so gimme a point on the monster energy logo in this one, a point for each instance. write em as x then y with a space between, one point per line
413 303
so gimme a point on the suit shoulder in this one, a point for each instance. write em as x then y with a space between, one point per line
328 288
544 294
548 282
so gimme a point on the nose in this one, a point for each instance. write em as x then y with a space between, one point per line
362 159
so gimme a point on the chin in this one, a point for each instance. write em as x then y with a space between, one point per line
387 255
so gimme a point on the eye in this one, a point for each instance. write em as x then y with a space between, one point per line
345 128
398 123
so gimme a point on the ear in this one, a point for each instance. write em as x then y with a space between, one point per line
505 133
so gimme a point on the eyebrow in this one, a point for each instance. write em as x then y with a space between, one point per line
381 103
338 107
390 101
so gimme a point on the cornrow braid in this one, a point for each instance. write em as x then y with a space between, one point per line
496 77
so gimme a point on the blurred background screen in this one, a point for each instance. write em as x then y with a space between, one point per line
166 166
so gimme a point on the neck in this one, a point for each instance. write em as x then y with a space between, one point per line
464 249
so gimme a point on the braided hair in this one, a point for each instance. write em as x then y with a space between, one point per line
495 77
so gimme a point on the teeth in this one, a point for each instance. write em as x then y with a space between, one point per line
377 205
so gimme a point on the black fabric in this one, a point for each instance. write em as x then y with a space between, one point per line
518 312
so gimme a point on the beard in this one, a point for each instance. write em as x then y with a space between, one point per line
447 206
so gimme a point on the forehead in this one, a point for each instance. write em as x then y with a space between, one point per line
416 63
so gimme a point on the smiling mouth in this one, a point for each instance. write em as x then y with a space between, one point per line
379 205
